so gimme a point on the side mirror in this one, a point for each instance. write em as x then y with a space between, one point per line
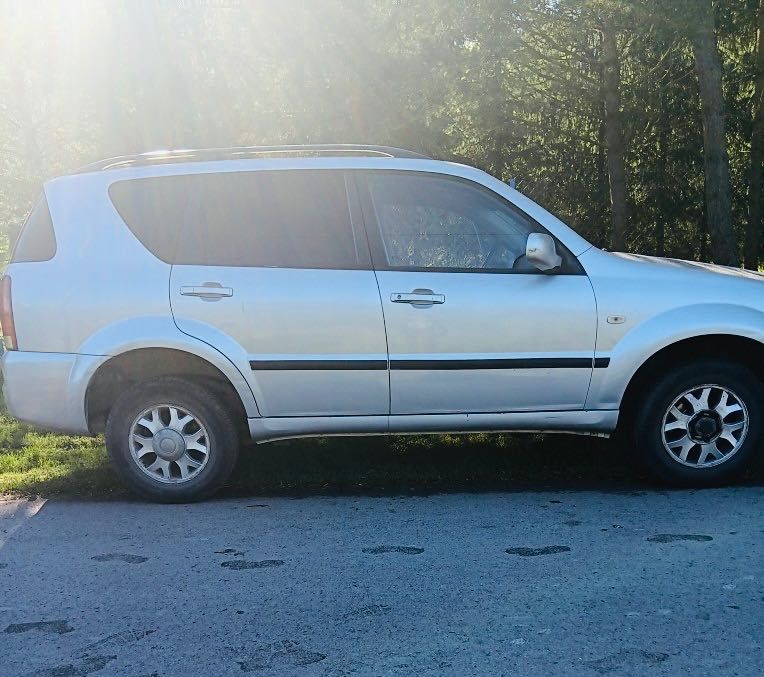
541 252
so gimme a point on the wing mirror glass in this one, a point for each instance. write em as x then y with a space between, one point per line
541 252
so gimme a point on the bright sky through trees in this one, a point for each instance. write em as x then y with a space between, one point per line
517 87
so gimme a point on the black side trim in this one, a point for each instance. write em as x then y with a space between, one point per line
291 365
369 365
509 363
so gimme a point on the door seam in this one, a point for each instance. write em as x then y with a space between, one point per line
594 348
364 224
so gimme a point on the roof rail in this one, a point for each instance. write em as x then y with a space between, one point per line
246 152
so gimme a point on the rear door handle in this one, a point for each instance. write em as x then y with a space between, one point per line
418 297
207 292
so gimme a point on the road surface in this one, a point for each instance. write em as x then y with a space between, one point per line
580 582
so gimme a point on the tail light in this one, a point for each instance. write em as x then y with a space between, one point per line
7 325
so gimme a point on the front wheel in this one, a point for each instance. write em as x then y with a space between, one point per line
701 424
171 440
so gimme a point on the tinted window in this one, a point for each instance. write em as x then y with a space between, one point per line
430 222
289 219
37 241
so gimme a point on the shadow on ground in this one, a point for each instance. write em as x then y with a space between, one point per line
391 465
427 464
443 463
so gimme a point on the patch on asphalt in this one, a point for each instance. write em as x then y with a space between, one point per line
230 551
573 523
631 657
119 557
240 564
117 640
671 538
368 610
81 668
56 627
282 654
383 549
535 552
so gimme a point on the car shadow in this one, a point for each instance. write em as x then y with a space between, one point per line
421 465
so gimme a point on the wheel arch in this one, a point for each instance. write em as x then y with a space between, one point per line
127 368
732 347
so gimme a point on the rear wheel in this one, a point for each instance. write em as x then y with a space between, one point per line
171 440
701 424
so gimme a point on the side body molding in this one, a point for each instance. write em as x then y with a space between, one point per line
162 332
600 423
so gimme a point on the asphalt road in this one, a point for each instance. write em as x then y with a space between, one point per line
549 583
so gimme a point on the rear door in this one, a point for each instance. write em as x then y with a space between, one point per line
271 262
471 326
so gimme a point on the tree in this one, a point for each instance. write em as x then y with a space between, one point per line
724 247
755 225
569 57
593 105
611 77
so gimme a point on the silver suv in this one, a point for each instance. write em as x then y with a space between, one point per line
178 301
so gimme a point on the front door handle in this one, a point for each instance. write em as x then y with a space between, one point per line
418 297
209 291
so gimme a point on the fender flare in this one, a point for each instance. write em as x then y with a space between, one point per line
161 332
661 331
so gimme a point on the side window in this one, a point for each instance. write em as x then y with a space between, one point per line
428 221
37 241
277 219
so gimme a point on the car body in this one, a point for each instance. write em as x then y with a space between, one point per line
341 290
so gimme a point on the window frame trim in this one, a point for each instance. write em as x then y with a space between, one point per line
571 265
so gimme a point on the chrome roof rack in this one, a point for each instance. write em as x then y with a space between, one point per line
247 152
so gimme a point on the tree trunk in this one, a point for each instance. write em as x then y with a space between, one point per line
611 76
703 235
724 248
660 188
603 182
753 232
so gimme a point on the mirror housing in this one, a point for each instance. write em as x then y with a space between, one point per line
541 252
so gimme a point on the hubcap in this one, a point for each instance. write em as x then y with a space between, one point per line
705 426
169 444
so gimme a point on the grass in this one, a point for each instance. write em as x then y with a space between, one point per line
42 463
35 463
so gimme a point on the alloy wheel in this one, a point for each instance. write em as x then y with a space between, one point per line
705 426
169 443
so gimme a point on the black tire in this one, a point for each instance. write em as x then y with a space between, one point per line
221 441
659 397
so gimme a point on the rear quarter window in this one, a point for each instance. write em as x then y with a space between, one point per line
37 240
274 219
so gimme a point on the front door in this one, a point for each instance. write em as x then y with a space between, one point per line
268 267
471 326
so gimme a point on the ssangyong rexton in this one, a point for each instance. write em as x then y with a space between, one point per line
178 301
